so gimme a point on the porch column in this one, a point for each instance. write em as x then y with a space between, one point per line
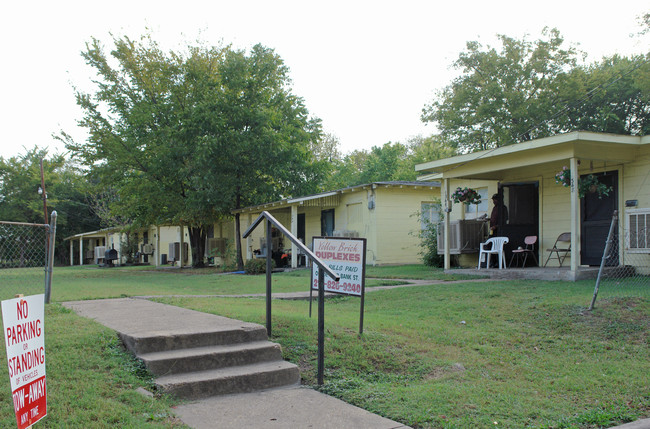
180 252
81 251
157 249
71 252
249 239
294 231
447 212
575 216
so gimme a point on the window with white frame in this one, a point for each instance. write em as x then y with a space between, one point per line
474 211
637 238
429 213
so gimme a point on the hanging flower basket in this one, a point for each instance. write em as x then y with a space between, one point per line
466 195
590 185
563 177
586 185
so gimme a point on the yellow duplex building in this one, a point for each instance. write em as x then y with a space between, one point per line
158 245
524 176
385 213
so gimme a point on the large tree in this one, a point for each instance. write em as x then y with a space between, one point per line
611 96
503 96
260 133
185 137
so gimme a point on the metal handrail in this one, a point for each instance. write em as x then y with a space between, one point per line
270 220
293 239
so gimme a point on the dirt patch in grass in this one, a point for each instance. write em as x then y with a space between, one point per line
441 372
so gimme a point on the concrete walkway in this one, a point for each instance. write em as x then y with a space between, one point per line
296 407
306 294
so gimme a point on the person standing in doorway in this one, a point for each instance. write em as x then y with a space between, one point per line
498 211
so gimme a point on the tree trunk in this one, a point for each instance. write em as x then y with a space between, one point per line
197 243
240 260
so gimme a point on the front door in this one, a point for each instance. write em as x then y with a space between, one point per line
301 227
596 213
327 223
520 216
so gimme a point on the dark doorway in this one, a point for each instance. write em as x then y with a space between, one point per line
327 223
521 217
301 227
596 212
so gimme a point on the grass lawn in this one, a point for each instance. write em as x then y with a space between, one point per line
79 283
500 354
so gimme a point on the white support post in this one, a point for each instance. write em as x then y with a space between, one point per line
249 239
81 251
71 252
294 231
180 252
157 249
447 213
575 216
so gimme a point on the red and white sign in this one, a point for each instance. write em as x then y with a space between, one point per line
347 258
25 341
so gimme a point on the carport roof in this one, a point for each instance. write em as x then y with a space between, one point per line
578 144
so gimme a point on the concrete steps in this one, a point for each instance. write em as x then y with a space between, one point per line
194 365
235 379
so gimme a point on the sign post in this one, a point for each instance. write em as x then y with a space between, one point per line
23 320
347 258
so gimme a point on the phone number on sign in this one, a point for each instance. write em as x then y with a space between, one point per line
340 287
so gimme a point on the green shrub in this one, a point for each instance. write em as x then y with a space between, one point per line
429 242
257 266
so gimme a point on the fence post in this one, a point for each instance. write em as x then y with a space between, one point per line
608 244
50 258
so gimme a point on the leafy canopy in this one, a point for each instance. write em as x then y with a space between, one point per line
503 95
185 137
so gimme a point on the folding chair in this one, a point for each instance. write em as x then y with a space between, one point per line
529 241
565 237
496 248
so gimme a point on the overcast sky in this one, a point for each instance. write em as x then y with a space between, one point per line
366 68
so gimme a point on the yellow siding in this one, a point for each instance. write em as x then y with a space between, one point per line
398 225
390 227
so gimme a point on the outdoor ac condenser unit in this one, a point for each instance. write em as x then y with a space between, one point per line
465 236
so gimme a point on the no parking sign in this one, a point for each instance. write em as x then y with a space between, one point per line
25 342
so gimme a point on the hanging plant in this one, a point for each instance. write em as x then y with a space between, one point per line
466 195
563 177
586 185
590 184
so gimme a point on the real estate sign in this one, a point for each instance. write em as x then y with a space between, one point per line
24 338
345 256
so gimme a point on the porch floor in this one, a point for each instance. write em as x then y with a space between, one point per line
533 273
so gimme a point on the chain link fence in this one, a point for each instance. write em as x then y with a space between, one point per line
625 266
25 252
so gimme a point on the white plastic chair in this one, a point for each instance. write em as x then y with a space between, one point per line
495 248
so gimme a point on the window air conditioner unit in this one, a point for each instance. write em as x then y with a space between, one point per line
637 239
465 236
100 251
147 249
